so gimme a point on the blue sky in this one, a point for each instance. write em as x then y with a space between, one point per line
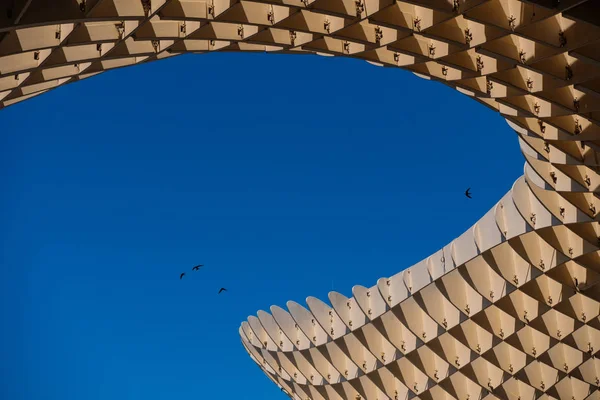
287 176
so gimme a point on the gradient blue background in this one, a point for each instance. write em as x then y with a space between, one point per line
288 176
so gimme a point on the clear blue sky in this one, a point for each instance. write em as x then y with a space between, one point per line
287 176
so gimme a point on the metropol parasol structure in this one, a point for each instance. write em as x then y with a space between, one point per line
508 310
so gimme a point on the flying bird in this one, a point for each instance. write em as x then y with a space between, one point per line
467 193
222 290
197 267
181 276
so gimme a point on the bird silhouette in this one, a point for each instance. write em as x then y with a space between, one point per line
467 193
222 290
197 267
181 276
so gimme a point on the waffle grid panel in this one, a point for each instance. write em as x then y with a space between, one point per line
508 310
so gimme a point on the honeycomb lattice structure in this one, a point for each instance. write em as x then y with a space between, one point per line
508 310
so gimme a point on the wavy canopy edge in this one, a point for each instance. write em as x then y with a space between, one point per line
508 310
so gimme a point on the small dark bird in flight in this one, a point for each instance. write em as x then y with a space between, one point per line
197 267
181 276
222 290
467 193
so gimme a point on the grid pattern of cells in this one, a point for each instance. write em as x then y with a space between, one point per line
508 310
